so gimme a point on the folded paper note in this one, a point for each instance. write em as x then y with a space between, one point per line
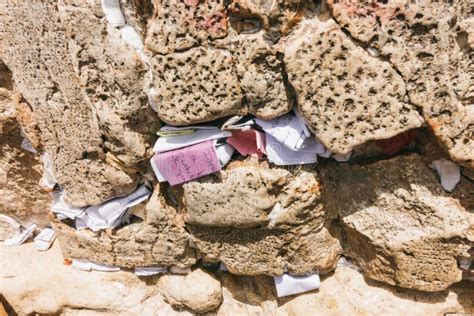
113 13
224 153
24 235
232 125
45 239
88 266
282 156
164 144
290 285
26 145
62 209
449 173
111 213
248 142
148 271
185 164
287 129
48 180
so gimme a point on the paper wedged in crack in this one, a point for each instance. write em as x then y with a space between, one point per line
431 45
160 239
400 225
346 96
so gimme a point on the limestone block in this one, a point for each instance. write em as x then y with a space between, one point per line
429 44
160 239
196 85
113 74
399 224
260 220
20 170
35 48
198 291
346 96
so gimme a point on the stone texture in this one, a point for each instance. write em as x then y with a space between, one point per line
160 239
73 292
198 291
346 96
398 223
35 47
251 241
430 44
20 170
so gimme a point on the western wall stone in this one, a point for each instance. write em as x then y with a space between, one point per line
35 48
20 170
346 96
198 291
430 45
281 224
160 239
398 223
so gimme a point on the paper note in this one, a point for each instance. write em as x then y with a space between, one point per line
232 124
282 156
48 180
185 164
88 266
111 214
131 37
449 173
287 129
249 142
164 144
25 144
224 153
62 209
113 13
45 239
23 236
148 271
289 285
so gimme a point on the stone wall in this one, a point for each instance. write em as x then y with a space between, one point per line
391 82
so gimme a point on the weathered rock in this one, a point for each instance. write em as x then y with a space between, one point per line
430 44
113 73
398 223
20 170
160 239
35 48
281 224
199 291
346 96
73 292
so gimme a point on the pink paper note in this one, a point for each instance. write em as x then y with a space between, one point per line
185 164
248 142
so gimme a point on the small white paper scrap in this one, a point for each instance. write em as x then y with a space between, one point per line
113 13
45 239
449 173
48 180
62 209
282 156
21 237
88 266
147 271
164 144
26 145
289 285
286 129
111 213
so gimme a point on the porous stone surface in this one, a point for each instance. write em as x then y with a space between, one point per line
346 96
160 239
281 225
35 47
20 170
399 225
198 291
430 45
74 292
